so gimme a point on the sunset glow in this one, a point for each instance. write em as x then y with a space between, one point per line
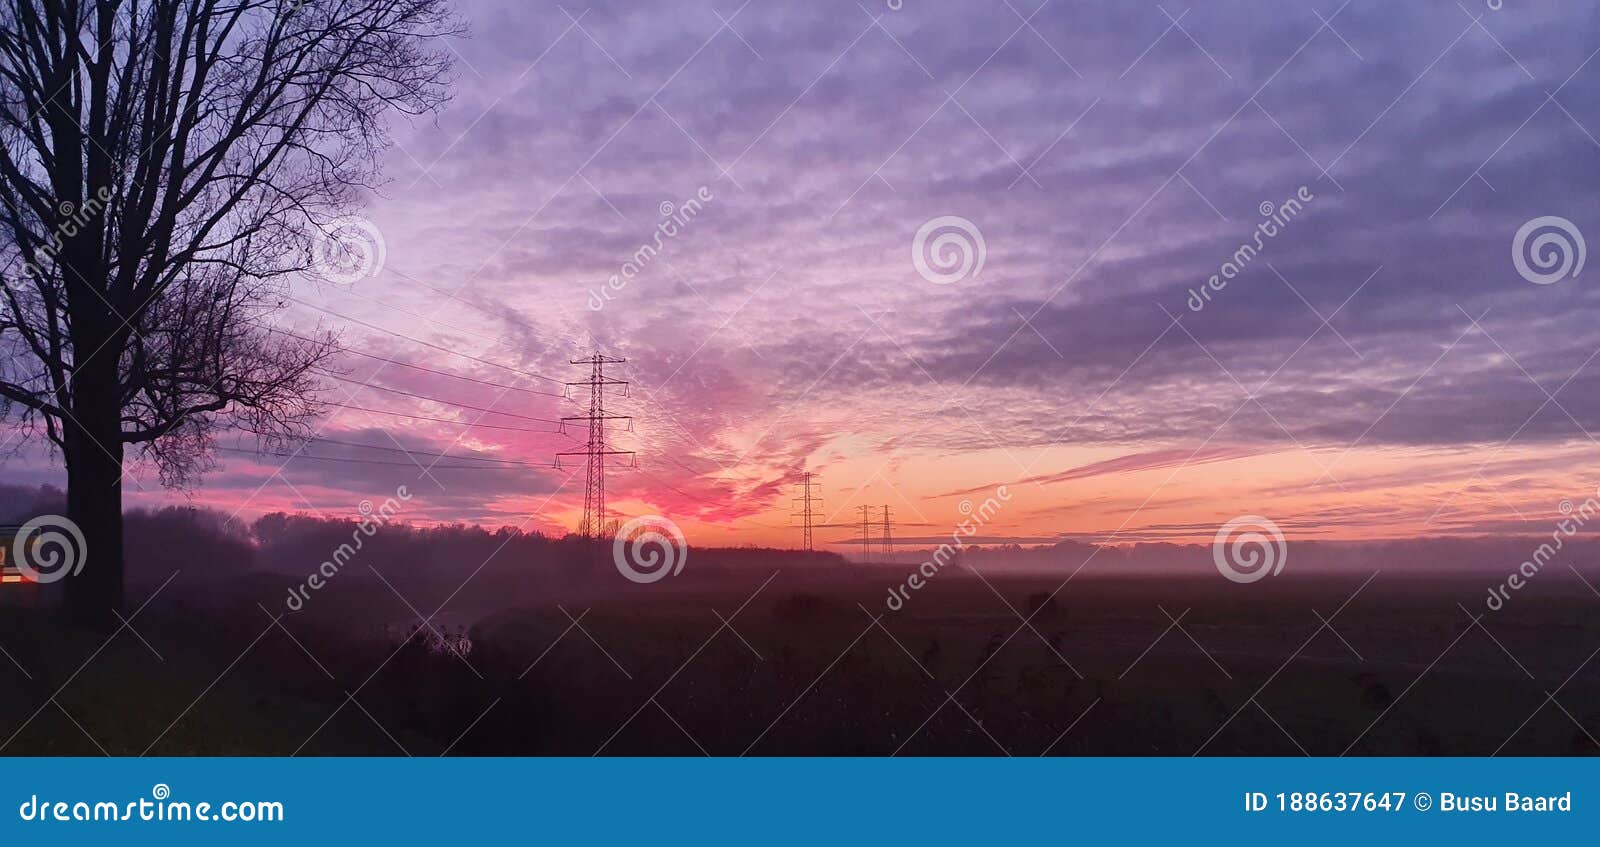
732 208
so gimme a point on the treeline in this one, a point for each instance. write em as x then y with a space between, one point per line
204 542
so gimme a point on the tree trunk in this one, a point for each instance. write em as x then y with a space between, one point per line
93 453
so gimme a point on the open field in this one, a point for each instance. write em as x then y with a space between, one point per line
810 662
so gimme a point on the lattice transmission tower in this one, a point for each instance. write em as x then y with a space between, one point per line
888 536
866 534
597 448
807 514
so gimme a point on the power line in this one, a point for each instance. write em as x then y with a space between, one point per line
669 457
346 349
663 482
405 393
429 318
325 310
456 296
468 424
410 452
296 456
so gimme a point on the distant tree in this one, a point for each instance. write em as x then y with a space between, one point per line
161 163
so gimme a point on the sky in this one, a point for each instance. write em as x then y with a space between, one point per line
1377 367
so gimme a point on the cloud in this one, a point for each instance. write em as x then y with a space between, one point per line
1133 463
1112 167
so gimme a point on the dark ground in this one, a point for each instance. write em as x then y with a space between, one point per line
803 670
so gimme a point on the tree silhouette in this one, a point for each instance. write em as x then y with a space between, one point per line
162 163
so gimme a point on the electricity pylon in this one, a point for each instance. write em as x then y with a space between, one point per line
888 536
866 537
596 449
805 501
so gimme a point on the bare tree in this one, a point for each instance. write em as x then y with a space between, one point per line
161 163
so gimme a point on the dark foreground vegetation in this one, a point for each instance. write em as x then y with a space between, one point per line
810 662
